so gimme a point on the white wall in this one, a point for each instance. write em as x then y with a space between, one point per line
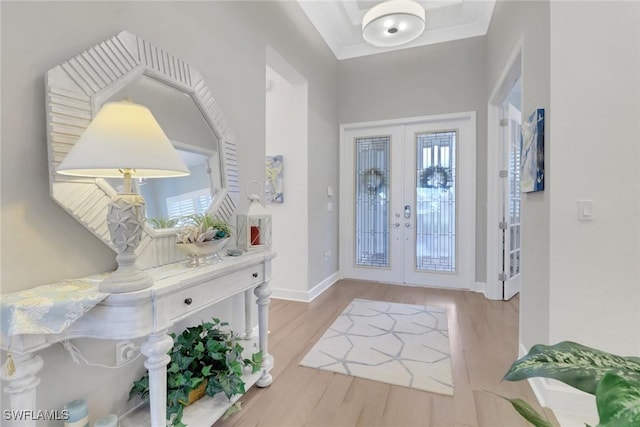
595 101
226 42
286 134
579 279
436 79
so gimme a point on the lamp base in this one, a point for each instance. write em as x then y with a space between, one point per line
118 283
126 220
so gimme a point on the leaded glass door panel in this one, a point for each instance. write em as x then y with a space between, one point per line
435 201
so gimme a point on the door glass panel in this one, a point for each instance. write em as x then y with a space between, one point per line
372 217
436 201
514 198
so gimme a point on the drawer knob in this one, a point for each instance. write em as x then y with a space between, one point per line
255 275
188 301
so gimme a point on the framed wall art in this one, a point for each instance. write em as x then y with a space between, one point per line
532 157
274 179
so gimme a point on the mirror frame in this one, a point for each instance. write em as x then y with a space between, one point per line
75 91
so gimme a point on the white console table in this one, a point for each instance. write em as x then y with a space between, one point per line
178 292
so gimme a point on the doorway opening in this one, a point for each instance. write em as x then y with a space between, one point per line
286 134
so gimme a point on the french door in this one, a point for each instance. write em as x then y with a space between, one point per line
408 201
510 188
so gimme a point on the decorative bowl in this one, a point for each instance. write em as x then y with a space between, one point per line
234 252
203 253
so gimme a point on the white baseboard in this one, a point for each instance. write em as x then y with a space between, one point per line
305 296
318 289
288 294
480 287
566 402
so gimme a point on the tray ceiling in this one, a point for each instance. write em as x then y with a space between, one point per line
339 23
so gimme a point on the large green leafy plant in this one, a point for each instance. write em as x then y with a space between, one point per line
614 380
204 353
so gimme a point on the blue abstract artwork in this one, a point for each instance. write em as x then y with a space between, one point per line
532 158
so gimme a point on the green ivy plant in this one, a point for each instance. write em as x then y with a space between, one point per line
613 380
206 352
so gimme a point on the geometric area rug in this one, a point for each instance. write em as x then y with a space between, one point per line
400 344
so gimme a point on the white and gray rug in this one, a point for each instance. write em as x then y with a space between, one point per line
399 344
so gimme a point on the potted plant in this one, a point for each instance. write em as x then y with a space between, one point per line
202 237
613 380
163 222
207 356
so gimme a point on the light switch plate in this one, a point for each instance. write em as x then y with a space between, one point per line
585 210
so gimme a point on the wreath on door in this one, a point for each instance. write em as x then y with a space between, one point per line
374 181
434 177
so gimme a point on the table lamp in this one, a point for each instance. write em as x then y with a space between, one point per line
124 140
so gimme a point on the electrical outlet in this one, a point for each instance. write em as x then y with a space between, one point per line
125 351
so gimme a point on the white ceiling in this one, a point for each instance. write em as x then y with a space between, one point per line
340 23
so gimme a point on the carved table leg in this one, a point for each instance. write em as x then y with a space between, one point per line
22 385
155 349
263 292
248 322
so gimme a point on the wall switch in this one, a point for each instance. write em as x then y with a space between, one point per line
327 255
329 191
585 210
329 206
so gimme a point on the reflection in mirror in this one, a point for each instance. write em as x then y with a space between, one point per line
169 199
181 120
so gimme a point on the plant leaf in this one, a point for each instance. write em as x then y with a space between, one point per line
195 382
231 384
256 359
574 364
528 413
206 371
232 410
213 387
618 401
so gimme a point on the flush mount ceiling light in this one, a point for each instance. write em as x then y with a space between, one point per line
393 23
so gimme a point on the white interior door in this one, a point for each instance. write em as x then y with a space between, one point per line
373 237
408 201
511 146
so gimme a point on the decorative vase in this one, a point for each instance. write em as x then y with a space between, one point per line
203 253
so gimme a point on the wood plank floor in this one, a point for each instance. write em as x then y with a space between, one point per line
484 340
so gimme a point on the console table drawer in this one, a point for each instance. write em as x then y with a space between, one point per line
212 291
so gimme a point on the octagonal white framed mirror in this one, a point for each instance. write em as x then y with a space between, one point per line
127 66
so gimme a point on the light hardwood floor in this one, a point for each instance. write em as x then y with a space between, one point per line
484 340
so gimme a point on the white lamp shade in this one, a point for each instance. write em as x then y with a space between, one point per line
123 135
393 23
